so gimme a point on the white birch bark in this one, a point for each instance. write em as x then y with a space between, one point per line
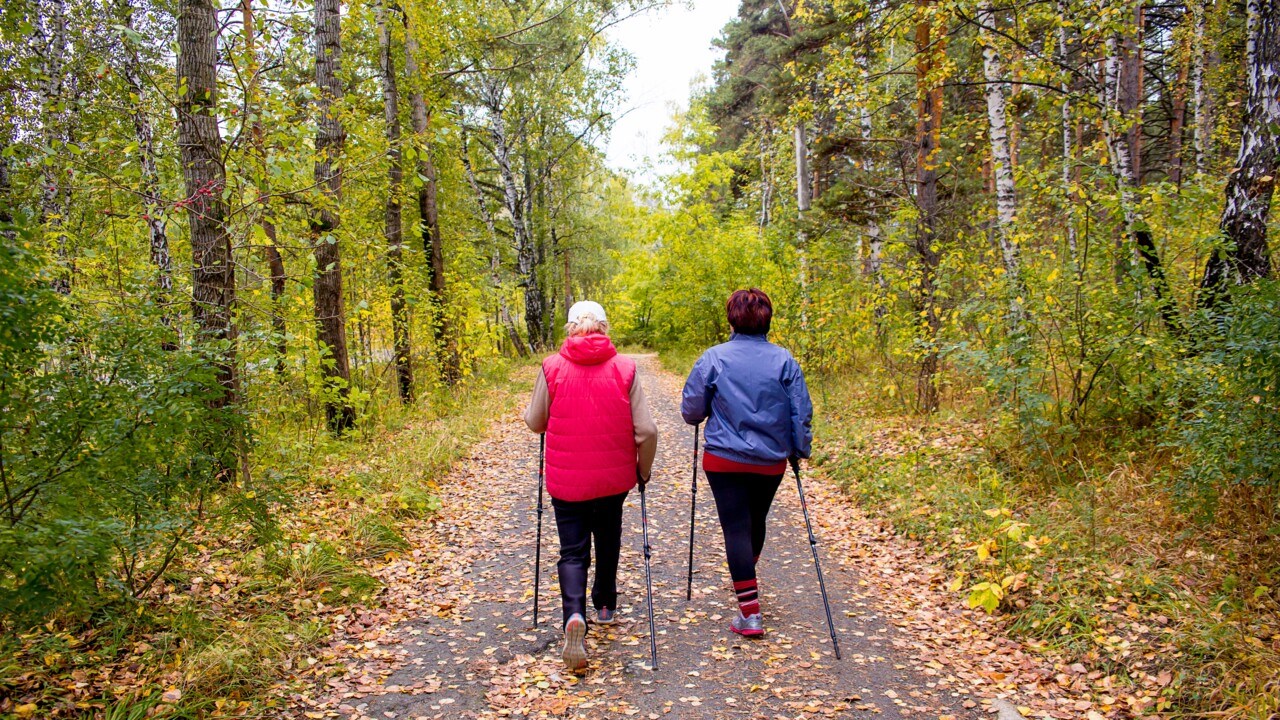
152 205
1001 159
1063 58
495 279
1251 186
803 203
1117 144
517 207
54 195
1199 94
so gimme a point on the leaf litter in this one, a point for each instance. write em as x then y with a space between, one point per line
452 633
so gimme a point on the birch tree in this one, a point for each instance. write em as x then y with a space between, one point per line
271 249
1001 160
153 210
55 196
1116 117
1246 255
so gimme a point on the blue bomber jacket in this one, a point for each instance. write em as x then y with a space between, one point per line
755 401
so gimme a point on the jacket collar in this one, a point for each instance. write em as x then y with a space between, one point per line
748 338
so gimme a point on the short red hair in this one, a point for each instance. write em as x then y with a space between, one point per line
750 311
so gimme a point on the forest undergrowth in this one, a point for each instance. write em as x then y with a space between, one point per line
234 621
1093 558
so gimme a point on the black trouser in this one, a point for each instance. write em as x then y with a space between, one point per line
577 523
742 502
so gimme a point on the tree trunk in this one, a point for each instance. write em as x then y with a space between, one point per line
213 281
1002 162
516 206
766 179
504 314
429 213
152 205
1131 91
872 266
804 190
55 192
568 280
394 229
930 43
1178 119
6 184
1246 256
1200 97
327 287
275 261
1126 180
1067 152
804 196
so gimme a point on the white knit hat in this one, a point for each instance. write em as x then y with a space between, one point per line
583 307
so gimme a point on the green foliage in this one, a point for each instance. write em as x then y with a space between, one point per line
1227 433
109 450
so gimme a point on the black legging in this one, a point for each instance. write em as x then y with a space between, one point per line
742 502
577 523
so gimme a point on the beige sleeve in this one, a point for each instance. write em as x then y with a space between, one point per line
539 410
646 429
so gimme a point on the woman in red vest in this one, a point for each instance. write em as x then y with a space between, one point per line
601 441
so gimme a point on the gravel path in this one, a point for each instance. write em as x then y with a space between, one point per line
459 641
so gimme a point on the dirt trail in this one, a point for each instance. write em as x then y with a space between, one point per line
461 643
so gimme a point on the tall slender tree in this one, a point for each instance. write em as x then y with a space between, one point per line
1001 160
1116 117
55 195
394 224
213 282
930 38
152 204
266 221
330 310
1246 255
1199 89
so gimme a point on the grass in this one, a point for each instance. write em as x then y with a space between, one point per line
1102 564
245 603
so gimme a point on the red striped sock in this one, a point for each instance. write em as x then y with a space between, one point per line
748 597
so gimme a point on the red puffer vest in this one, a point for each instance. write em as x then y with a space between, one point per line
591 441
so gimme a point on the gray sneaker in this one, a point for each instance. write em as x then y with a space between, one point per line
748 626
606 616
574 653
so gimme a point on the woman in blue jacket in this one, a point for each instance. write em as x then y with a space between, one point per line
753 396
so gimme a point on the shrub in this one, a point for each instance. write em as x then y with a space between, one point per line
108 446
1230 436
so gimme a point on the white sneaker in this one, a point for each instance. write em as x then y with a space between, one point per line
574 653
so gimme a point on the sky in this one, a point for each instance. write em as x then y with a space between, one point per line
672 48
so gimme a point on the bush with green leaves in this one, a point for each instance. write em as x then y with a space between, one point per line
110 444
1230 437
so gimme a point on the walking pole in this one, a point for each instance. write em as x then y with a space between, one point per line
813 545
693 506
648 579
537 553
